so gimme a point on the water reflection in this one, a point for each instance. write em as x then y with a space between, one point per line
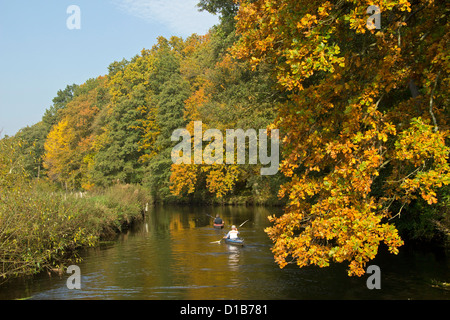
233 258
174 254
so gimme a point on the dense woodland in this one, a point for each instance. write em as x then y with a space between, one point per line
363 116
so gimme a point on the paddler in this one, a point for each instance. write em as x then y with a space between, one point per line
232 234
218 222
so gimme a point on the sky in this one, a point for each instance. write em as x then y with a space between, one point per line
40 55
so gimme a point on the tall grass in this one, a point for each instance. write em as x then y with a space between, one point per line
40 229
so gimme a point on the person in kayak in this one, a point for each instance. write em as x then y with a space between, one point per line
232 234
218 222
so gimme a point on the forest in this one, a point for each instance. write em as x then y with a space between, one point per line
363 119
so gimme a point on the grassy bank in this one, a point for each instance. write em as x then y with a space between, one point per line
41 229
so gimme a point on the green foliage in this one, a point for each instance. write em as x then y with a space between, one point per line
32 147
424 223
12 164
52 115
226 8
169 117
353 137
118 157
37 230
41 229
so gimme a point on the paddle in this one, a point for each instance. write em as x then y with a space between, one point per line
218 241
239 227
243 223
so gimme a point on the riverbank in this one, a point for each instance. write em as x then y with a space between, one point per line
41 229
170 256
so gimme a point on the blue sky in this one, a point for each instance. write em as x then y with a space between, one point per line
39 55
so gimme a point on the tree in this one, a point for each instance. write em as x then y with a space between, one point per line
226 95
226 8
52 115
70 144
119 132
59 153
350 122
13 175
33 139
117 156
164 114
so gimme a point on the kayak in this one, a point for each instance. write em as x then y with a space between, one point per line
235 242
219 226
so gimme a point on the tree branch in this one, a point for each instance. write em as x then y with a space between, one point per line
399 212
436 128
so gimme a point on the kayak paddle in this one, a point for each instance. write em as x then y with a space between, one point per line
243 223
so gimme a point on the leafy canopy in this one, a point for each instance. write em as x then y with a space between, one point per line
358 144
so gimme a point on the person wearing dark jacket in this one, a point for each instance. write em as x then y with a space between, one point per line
218 222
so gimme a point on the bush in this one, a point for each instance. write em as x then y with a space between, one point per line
425 223
41 229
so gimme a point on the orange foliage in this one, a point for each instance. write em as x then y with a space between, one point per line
347 120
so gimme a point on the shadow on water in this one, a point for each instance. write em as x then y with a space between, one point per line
175 254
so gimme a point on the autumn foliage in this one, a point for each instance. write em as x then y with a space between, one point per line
363 117
361 140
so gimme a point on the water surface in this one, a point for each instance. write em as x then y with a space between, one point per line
173 255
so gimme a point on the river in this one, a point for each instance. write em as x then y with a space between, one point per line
174 254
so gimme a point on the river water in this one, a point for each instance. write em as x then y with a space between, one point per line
173 254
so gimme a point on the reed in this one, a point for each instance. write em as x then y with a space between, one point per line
42 230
